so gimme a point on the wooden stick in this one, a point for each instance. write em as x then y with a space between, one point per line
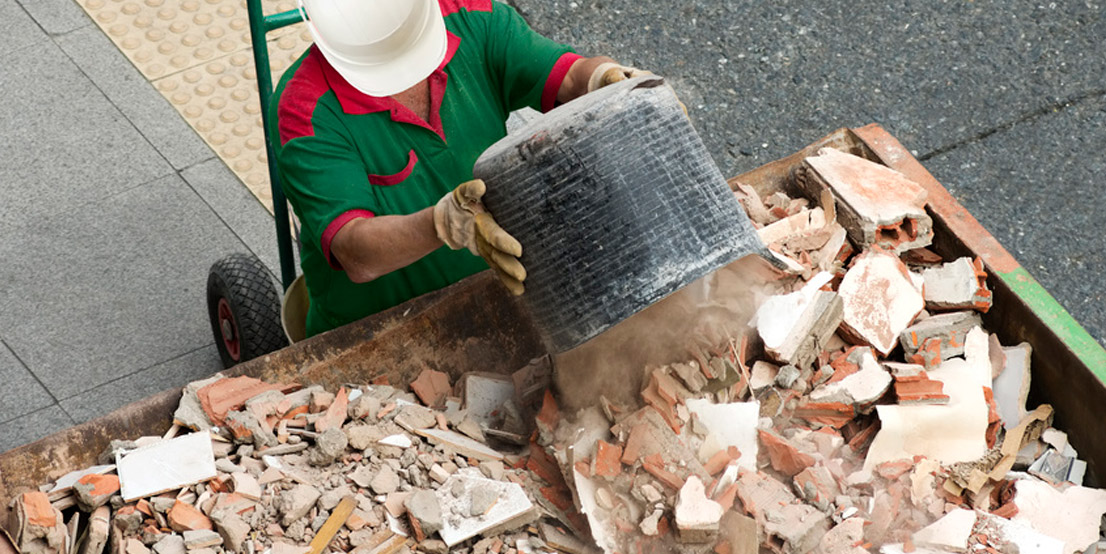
333 523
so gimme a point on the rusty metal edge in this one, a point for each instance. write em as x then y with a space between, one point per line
472 324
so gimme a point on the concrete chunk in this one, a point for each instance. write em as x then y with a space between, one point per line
937 338
512 510
957 285
294 504
697 516
796 326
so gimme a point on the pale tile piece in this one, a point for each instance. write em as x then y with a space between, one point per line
733 424
166 465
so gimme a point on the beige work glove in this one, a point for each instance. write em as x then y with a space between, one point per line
461 221
610 73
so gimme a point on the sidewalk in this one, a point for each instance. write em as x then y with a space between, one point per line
113 209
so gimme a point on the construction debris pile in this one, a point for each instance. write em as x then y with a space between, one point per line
865 409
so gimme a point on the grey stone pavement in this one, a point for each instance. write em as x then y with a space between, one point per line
112 209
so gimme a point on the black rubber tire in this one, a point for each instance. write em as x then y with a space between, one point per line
241 293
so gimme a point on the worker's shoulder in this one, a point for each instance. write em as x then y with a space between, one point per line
301 90
464 7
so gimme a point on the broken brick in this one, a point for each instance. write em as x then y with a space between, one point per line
185 517
654 464
336 414
607 461
721 459
784 457
432 387
231 393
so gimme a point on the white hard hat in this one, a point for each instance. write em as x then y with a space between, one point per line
380 46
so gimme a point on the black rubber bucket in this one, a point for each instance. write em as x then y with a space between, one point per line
617 204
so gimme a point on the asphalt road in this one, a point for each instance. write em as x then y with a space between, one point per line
1003 102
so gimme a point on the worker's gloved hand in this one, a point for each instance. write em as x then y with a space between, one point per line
609 73
462 222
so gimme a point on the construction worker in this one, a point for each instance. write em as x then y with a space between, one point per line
377 127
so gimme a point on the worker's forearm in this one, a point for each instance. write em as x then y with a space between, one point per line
575 83
372 247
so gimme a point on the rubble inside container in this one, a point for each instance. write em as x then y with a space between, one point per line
865 408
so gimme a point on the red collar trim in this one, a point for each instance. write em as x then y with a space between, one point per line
355 102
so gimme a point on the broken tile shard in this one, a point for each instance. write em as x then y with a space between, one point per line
182 461
880 299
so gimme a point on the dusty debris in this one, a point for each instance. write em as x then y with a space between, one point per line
511 510
809 431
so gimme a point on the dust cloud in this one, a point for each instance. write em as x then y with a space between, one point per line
706 314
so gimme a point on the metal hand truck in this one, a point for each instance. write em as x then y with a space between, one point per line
248 317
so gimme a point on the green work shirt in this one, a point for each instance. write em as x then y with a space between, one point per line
344 155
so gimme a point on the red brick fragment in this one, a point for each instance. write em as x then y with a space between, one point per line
634 443
784 457
231 393
549 415
185 517
721 459
654 464
144 507
37 508
336 414
726 497
101 484
584 467
661 401
544 466
894 470
608 460
830 414
432 388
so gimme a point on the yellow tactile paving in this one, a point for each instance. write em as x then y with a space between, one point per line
197 54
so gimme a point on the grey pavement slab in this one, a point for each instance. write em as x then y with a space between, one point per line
135 97
57 16
21 393
1038 187
98 401
237 207
115 287
64 143
33 426
17 28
